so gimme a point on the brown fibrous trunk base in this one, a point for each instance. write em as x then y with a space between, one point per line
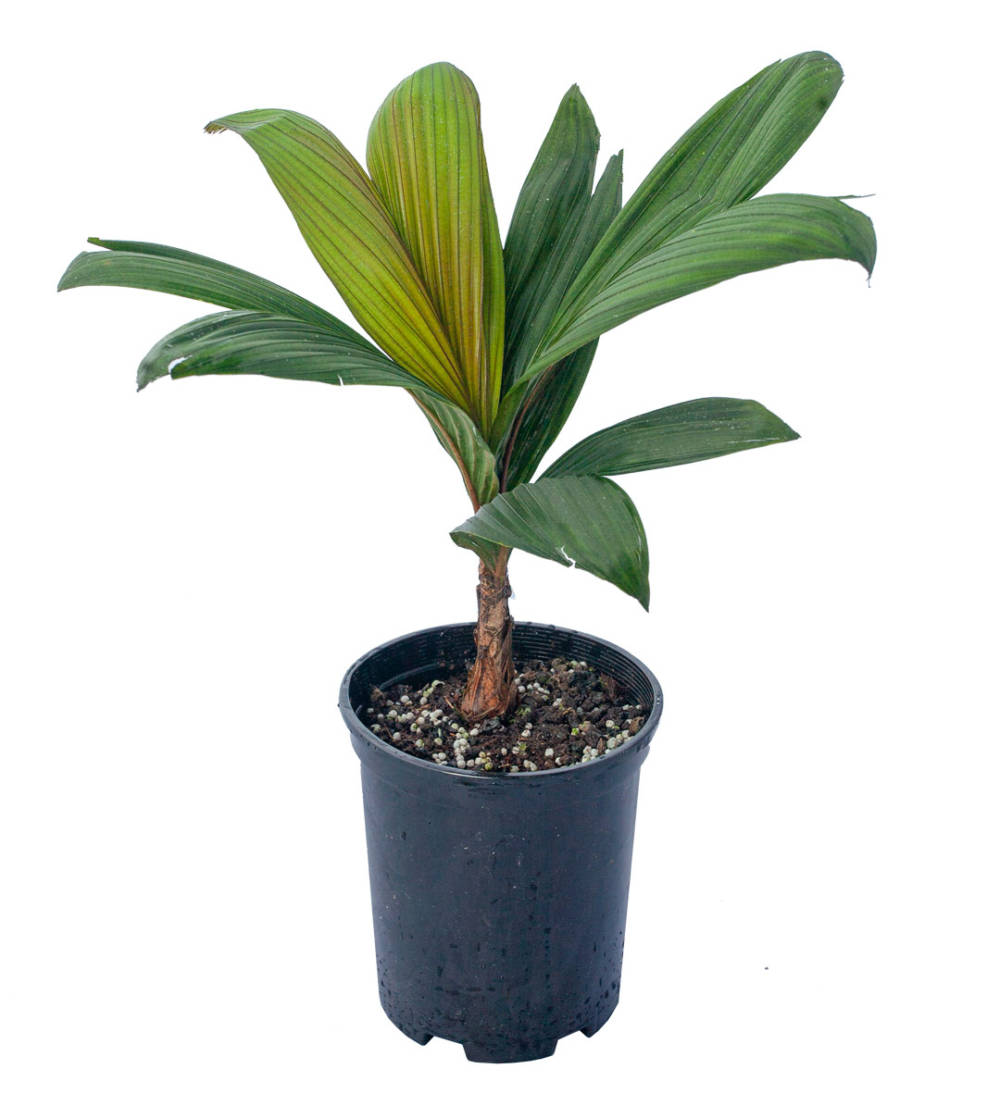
490 690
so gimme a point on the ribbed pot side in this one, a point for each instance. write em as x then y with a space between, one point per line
498 900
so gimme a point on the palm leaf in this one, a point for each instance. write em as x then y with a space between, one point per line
257 343
678 435
543 407
553 198
728 156
555 271
534 417
755 235
425 155
166 269
353 238
586 522
182 273
461 438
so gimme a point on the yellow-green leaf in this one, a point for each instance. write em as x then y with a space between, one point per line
425 155
353 238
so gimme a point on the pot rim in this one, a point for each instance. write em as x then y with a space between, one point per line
357 726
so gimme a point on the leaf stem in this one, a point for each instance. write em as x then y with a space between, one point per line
452 449
515 429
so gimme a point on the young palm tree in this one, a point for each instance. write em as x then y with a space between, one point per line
494 342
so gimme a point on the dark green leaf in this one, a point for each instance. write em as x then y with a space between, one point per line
545 405
256 343
553 198
182 273
556 269
694 431
758 234
559 181
728 156
534 414
581 521
166 269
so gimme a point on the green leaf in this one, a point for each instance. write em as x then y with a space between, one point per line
353 238
581 521
574 245
533 414
257 343
544 405
166 269
678 435
181 273
461 438
426 159
558 183
728 156
758 234
552 200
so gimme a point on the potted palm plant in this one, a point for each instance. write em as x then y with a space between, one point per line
500 763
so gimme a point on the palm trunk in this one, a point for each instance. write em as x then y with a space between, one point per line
490 691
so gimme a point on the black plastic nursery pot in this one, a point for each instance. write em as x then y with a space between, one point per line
499 900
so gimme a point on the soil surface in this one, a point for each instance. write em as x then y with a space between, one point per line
565 712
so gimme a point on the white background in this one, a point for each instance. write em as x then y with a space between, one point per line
187 573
